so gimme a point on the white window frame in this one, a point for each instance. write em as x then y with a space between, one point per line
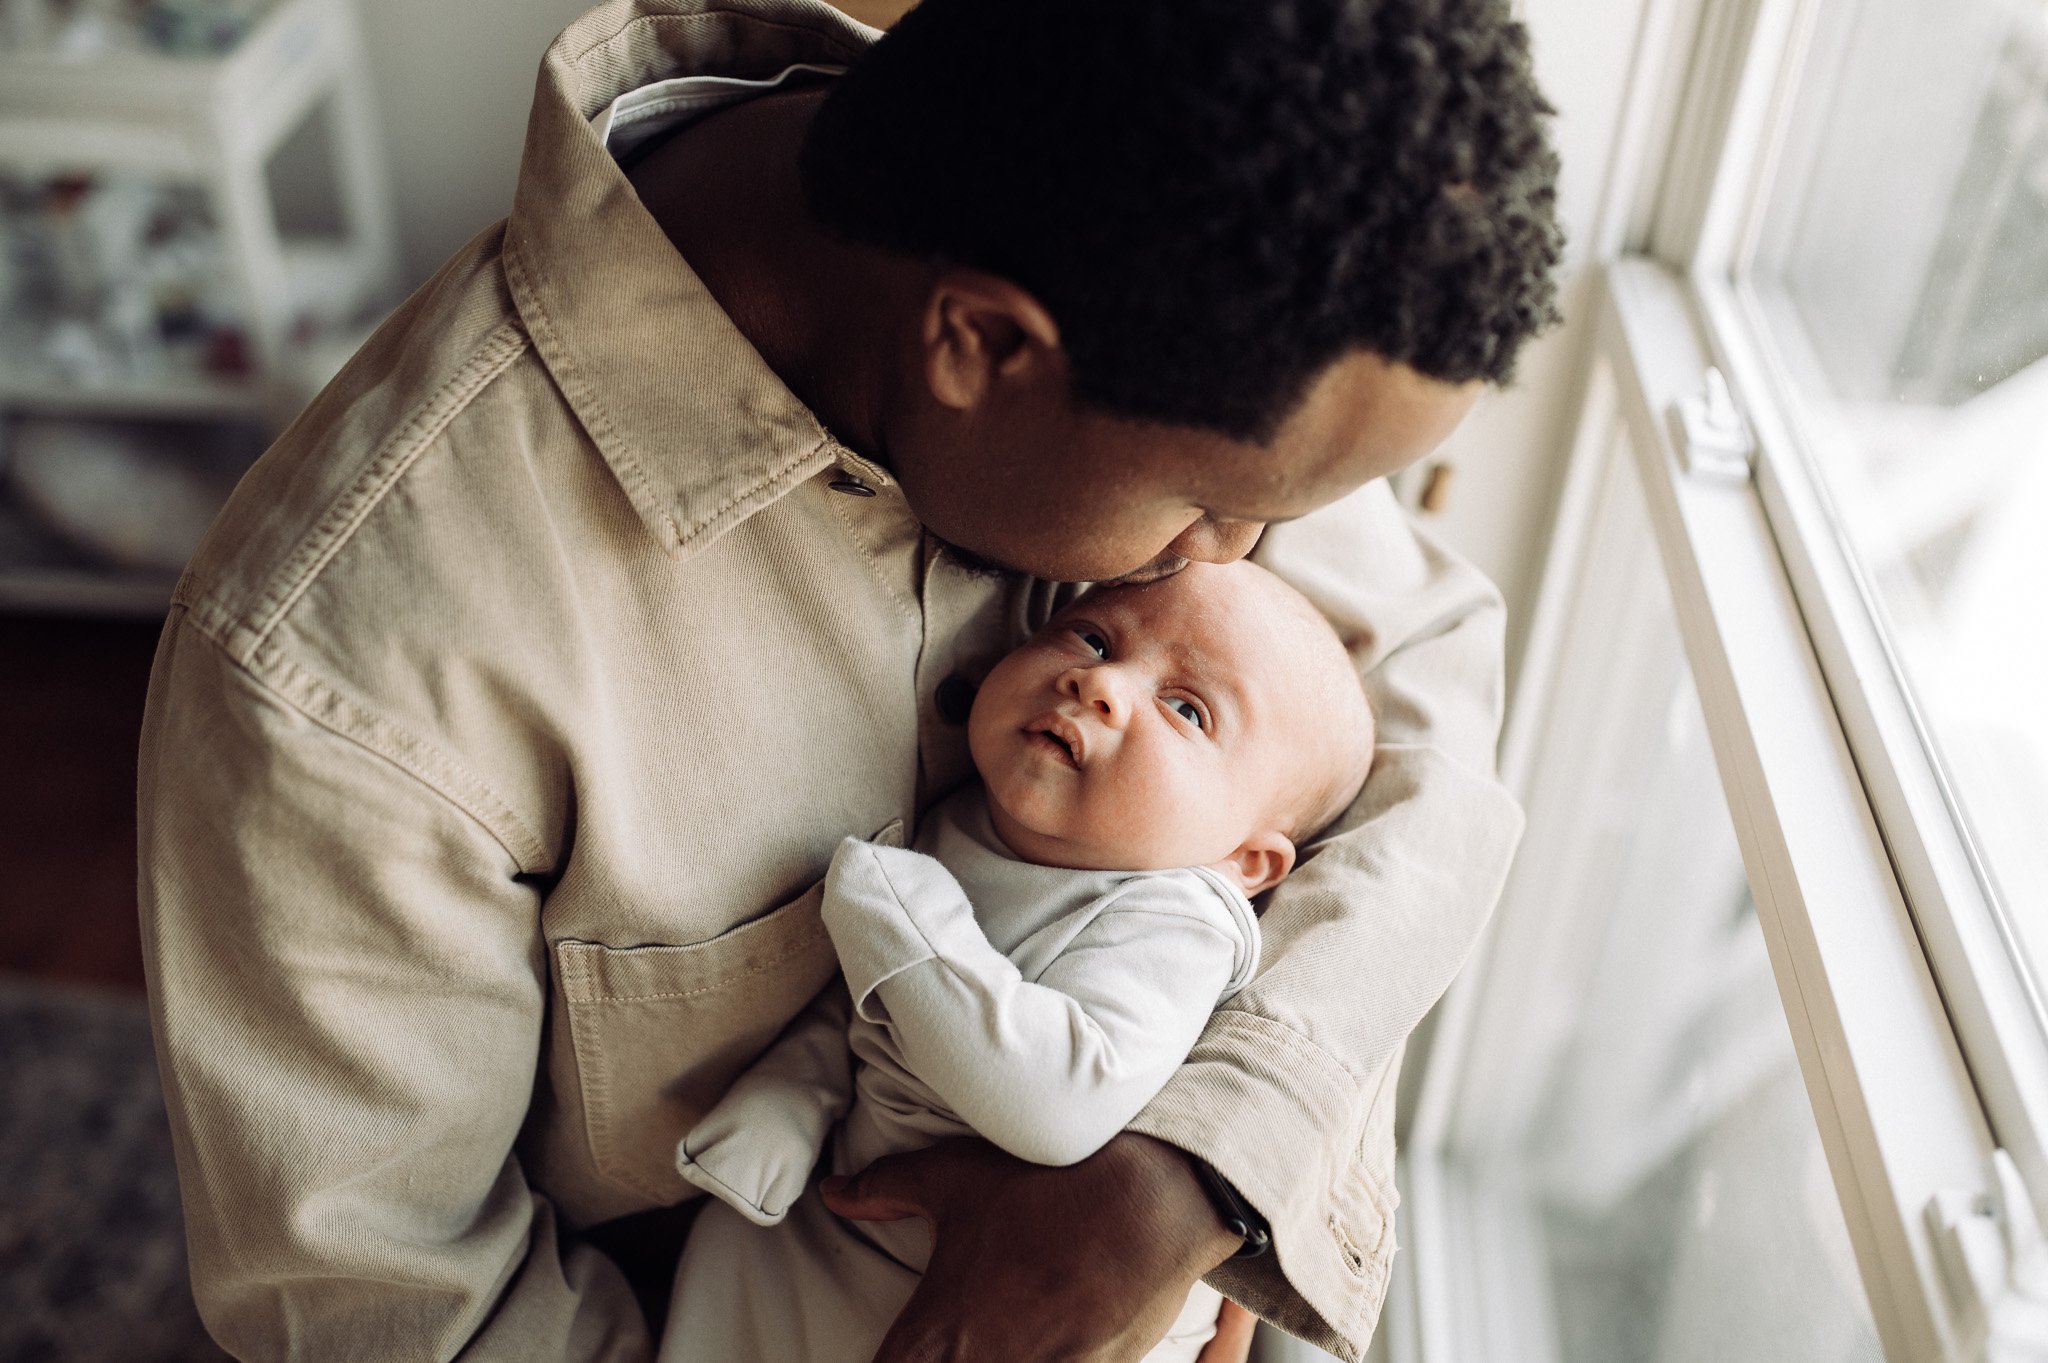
1923 1047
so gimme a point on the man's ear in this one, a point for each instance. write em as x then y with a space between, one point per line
1260 863
981 330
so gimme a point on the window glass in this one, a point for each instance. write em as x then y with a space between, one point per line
1903 261
1635 1084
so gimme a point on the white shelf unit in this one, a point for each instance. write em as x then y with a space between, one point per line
213 123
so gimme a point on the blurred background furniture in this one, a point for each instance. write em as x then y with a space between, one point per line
195 222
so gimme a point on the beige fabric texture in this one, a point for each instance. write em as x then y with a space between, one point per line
507 720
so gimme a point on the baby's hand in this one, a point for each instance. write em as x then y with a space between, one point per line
755 1149
757 1168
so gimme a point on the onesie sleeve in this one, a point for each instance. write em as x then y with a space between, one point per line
755 1150
1048 1069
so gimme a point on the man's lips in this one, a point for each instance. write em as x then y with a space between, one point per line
1158 570
1060 737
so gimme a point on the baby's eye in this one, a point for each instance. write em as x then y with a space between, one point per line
1187 710
1098 645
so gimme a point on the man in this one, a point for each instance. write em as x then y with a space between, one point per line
502 729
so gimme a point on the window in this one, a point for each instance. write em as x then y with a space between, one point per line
1754 1064
1634 1157
1910 351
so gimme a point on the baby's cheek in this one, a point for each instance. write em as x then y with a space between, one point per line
1143 815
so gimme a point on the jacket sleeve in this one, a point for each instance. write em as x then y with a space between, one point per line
346 985
1048 1069
1289 1093
754 1151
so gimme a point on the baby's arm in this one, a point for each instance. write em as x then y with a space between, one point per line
1048 1070
755 1150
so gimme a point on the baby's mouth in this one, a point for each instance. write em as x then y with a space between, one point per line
1064 739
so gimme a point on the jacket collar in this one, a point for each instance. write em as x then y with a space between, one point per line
698 430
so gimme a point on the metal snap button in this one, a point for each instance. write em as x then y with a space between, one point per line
851 485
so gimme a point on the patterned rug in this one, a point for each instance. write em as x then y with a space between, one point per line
92 1252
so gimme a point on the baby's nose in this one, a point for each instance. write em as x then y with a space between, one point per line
1104 690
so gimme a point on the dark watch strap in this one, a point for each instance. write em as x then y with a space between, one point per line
1239 1217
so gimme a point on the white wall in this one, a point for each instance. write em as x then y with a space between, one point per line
454 80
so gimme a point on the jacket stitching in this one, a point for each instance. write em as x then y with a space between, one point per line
1230 1025
619 451
390 463
432 768
1261 1028
902 603
593 1082
767 481
708 13
583 399
593 1076
1354 1258
592 995
1382 1202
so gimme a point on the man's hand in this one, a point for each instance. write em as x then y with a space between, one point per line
1030 1263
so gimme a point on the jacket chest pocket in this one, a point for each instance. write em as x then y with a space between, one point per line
660 1032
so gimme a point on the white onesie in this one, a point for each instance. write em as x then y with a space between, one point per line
1036 1007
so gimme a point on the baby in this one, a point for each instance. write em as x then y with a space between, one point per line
1038 967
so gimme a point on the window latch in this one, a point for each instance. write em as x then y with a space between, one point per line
1713 440
1996 1264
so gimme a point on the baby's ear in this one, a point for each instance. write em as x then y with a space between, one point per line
1260 863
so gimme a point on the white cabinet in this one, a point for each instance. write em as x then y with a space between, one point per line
209 129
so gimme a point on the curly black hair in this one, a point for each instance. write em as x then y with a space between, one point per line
1215 199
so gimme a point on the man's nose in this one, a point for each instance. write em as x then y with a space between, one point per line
1215 540
1103 689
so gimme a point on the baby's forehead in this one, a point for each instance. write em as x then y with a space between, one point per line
1219 623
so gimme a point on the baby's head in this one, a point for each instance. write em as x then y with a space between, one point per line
1211 719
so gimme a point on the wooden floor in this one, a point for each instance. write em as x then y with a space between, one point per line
70 713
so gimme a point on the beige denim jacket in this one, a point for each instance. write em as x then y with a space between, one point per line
506 722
